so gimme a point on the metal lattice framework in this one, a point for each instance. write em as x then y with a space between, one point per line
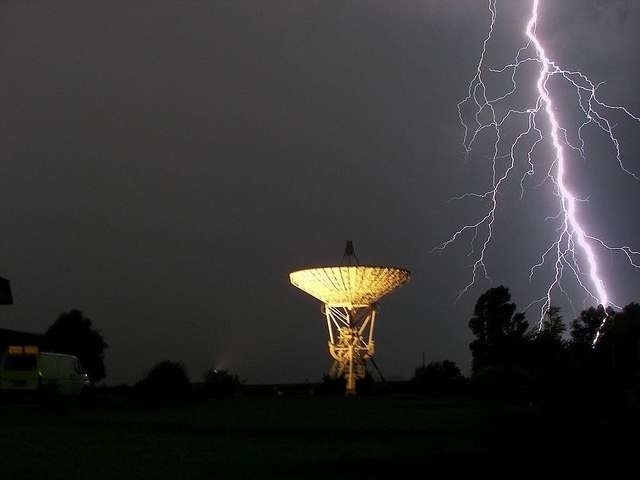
349 294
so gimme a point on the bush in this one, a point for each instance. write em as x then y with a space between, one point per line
218 383
167 382
438 378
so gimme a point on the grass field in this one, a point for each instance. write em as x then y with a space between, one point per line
281 437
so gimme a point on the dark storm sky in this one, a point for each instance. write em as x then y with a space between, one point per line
167 163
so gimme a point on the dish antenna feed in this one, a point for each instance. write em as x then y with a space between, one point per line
349 294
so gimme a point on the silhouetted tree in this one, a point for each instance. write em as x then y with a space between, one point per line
608 371
585 327
623 335
553 327
547 360
591 365
219 383
500 335
166 382
614 362
73 334
499 350
438 378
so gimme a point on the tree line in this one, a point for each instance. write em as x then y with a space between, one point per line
551 361
73 333
511 358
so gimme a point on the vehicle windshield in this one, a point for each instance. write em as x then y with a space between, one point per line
20 362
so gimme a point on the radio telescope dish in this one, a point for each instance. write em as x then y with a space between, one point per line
349 286
349 294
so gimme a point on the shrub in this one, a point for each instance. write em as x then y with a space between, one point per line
218 383
167 382
438 378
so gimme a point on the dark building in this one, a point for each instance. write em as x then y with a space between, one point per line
14 337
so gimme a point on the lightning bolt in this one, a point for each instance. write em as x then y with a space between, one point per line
574 248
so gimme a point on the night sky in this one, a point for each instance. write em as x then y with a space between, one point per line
167 163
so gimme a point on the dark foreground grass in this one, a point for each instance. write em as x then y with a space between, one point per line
266 437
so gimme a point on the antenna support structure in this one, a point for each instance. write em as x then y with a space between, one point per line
349 294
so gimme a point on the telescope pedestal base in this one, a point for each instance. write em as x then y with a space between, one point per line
348 329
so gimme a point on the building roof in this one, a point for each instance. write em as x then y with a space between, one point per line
15 337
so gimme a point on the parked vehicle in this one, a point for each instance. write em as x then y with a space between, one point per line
25 368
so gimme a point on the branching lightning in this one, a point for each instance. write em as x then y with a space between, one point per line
574 249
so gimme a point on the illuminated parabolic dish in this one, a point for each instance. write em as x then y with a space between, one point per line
350 294
349 286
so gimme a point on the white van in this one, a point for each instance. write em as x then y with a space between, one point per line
25 368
